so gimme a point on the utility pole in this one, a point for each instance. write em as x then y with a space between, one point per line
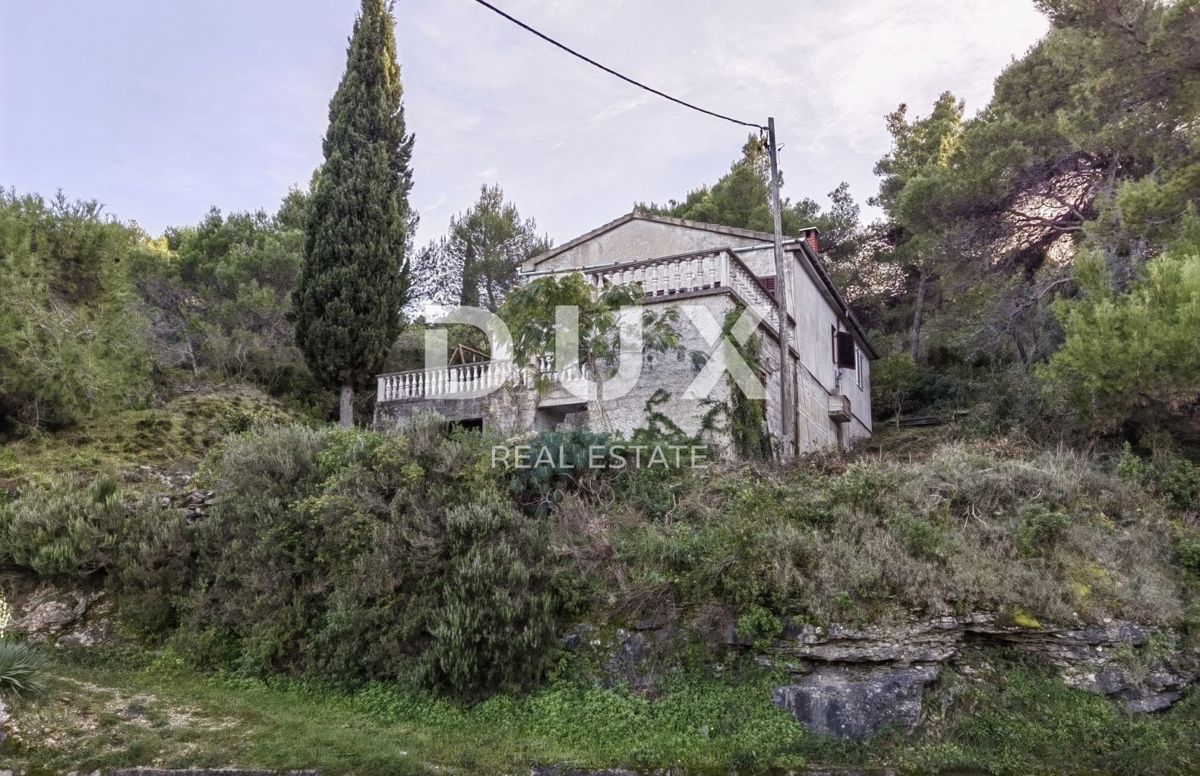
781 295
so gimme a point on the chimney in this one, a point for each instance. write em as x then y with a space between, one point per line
813 238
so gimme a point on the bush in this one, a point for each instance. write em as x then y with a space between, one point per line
68 529
924 539
355 556
567 471
74 530
1039 528
22 668
71 346
1131 468
1187 552
1133 357
495 626
1180 483
759 626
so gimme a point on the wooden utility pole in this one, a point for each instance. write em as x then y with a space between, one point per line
781 311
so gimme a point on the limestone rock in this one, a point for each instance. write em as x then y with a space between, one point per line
47 612
1156 687
930 641
1097 658
854 703
70 616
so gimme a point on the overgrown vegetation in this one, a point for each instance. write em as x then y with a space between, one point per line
72 345
1036 271
354 556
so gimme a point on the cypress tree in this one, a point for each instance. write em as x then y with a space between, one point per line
355 278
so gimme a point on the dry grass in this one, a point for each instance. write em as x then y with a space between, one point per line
995 526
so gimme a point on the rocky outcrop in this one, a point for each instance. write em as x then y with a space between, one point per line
853 682
853 702
931 641
45 612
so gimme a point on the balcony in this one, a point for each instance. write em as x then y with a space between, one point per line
693 273
839 408
662 279
468 380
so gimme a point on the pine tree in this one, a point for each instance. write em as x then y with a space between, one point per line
355 278
478 261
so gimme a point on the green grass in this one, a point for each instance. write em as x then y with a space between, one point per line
107 709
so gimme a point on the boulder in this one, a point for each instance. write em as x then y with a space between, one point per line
49 613
1154 687
854 703
1097 658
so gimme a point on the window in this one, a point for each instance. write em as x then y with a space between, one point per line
858 367
844 350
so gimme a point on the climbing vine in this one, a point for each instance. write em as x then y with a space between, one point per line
744 419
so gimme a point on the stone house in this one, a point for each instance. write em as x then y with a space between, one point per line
705 271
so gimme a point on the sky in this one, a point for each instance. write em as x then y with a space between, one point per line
163 109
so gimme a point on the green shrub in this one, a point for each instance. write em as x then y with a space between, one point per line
356 556
924 539
71 344
1180 483
563 466
759 626
1132 357
1187 552
22 667
1039 527
67 529
495 626
1131 468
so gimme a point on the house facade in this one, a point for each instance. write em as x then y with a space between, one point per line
704 271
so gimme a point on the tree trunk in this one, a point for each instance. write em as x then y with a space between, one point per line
346 412
914 345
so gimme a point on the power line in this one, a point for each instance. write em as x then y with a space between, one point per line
610 71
